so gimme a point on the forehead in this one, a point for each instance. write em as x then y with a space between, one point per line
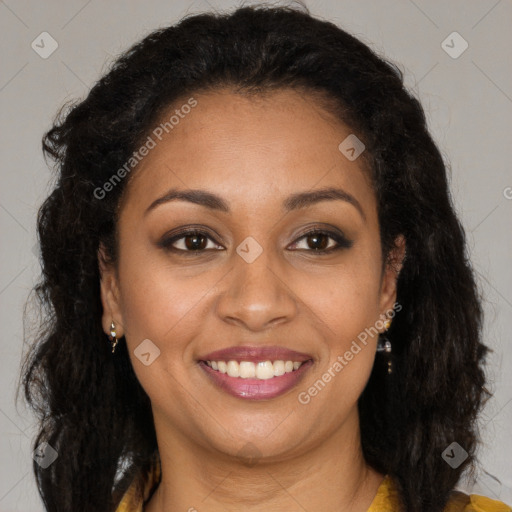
248 149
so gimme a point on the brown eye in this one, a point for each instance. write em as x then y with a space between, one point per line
318 242
192 241
195 242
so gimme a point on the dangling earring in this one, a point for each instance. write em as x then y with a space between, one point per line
384 345
112 336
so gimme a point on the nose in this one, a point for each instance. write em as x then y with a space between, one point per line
257 295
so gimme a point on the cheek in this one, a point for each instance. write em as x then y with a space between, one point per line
170 307
158 303
345 299
347 305
153 299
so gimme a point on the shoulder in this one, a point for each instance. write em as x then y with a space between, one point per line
130 501
387 500
461 502
140 489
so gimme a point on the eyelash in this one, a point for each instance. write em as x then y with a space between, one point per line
343 243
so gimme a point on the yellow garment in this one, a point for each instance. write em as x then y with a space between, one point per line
385 500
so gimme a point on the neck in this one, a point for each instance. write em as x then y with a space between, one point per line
331 476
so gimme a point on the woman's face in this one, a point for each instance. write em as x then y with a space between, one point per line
253 279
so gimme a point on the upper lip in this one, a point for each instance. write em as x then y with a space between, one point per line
254 354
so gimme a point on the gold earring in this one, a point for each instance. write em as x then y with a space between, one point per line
387 323
384 346
112 336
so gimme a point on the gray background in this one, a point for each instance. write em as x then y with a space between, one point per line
468 101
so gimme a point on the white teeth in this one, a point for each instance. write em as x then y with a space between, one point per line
279 368
247 370
264 370
261 370
233 369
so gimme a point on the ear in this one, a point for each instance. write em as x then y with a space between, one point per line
391 272
110 295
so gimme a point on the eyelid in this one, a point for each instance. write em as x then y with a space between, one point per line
321 228
168 239
342 241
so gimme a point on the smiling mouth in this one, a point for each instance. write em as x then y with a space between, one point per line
261 370
260 380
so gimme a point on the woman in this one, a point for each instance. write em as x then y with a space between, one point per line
259 287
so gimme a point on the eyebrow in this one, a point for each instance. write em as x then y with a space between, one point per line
293 202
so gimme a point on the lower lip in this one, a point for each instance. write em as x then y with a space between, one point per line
257 389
